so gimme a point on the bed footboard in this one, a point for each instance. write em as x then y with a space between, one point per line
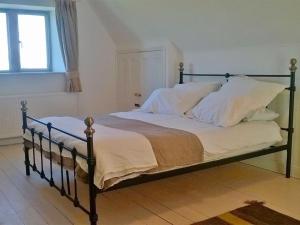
38 164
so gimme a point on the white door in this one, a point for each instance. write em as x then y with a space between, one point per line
139 73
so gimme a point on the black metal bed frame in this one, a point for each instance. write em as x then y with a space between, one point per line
91 161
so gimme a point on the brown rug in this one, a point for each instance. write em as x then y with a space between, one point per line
253 214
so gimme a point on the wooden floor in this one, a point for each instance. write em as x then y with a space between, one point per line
180 200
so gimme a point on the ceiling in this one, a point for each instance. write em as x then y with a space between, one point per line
201 24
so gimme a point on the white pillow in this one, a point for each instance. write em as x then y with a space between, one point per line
179 99
235 100
192 92
164 101
198 86
263 114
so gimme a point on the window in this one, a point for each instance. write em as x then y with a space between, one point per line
24 41
4 62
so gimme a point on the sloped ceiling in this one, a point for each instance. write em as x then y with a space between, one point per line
201 24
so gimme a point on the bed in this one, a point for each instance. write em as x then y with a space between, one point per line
135 147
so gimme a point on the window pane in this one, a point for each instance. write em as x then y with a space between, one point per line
33 44
4 62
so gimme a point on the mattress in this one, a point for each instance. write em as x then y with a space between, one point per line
137 155
248 136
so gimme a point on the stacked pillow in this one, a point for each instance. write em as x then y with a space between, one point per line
263 114
179 99
240 99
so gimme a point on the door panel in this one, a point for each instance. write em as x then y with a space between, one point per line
152 76
138 75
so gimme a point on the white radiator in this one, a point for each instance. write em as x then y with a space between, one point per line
39 105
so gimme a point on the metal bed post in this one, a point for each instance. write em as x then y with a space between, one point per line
89 121
293 69
24 127
181 69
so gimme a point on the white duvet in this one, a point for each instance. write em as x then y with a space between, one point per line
125 154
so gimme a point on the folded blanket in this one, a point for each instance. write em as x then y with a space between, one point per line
172 147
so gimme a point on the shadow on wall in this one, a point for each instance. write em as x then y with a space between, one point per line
114 25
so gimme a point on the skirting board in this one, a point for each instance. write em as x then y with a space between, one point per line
277 167
11 141
296 171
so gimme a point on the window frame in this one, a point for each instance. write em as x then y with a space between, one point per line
8 44
13 39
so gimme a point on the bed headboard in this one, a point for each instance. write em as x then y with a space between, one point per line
291 89
292 68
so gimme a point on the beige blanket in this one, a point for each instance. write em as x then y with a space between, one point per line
172 148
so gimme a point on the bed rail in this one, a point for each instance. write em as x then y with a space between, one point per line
36 143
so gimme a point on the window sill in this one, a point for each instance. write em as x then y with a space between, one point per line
38 94
30 73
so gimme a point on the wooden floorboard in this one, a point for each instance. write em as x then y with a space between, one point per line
155 207
179 200
30 194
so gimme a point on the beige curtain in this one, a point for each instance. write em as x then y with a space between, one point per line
66 19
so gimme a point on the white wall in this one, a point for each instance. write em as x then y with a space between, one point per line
45 92
96 63
265 59
17 84
173 58
40 105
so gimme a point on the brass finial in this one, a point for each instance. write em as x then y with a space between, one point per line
181 67
293 66
89 131
24 106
